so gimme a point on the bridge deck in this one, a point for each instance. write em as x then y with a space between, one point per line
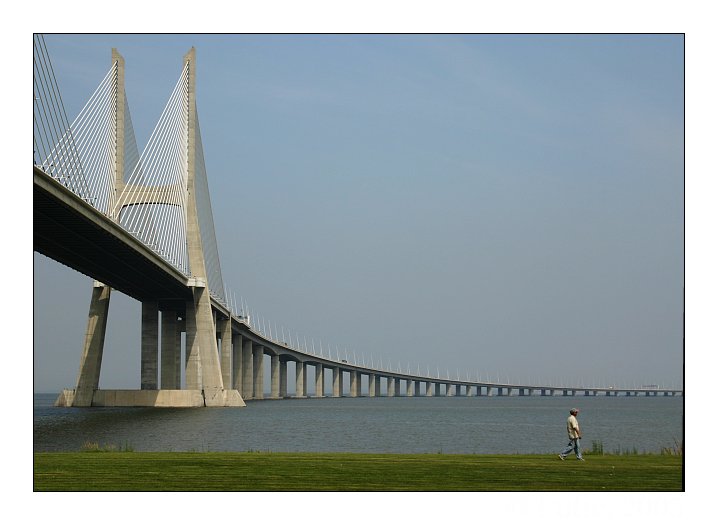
70 231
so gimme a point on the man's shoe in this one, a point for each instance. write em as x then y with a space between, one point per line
580 459
560 457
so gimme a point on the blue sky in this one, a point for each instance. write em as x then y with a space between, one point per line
506 206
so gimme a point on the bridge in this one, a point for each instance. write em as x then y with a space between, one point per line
142 224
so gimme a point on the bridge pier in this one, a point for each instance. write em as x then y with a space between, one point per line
353 376
282 379
149 344
318 380
390 390
171 352
258 371
88 378
301 380
337 381
247 369
274 379
224 327
237 363
410 387
372 385
191 366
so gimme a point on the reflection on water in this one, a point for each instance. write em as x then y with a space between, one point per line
420 425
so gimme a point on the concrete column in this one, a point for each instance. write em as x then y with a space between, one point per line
372 385
319 380
390 390
150 340
258 370
301 381
468 391
275 377
88 378
336 374
225 328
397 387
450 391
282 379
353 383
358 384
410 387
429 389
237 363
191 373
170 352
377 386
247 369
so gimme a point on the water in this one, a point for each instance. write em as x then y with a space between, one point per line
490 425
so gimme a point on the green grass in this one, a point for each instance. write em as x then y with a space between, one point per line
251 471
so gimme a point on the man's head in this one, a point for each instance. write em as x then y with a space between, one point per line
574 411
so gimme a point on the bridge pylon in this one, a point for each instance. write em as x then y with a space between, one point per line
193 315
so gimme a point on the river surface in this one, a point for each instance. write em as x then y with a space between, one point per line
483 425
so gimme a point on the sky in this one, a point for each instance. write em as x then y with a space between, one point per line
509 207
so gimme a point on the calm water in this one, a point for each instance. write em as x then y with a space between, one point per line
449 425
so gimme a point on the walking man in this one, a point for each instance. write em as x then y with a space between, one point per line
574 437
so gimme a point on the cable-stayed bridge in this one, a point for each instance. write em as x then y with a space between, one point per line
142 224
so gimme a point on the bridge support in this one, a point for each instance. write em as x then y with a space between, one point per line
237 362
258 371
301 380
88 378
410 387
318 380
224 327
247 369
353 383
390 389
275 377
372 385
282 379
150 341
171 352
336 381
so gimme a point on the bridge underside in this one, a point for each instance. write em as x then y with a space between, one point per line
90 243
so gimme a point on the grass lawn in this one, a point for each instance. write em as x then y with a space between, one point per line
267 471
